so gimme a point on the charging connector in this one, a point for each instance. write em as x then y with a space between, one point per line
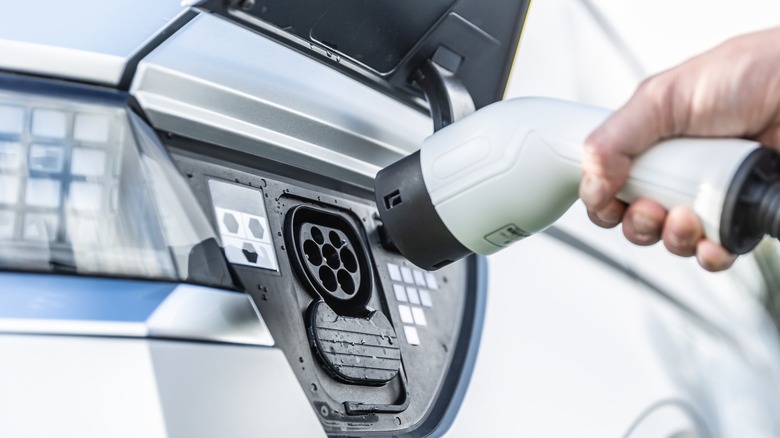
513 168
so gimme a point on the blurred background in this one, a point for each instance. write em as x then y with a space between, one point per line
597 51
605 354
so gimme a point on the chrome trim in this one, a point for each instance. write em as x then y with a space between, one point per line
261 98
62 39
72 327
70 305
200 313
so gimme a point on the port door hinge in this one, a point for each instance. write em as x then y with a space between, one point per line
447 97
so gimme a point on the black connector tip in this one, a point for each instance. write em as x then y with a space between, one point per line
767 215
752 205
411 223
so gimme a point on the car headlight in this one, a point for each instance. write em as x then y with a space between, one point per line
86 187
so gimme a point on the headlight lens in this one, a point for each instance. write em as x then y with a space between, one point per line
85 186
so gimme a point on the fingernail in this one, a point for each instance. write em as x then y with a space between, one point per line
644 225
715 265
712 257
592 190
608 217
678 239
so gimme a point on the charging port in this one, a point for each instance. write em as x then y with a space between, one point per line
330 258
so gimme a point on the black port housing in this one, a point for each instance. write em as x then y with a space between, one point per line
419 398
330 258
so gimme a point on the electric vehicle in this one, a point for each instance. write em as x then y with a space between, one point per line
190 247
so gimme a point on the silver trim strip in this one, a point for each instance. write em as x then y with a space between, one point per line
185 312
73 327
262 98
199 313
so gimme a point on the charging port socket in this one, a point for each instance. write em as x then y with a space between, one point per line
330 258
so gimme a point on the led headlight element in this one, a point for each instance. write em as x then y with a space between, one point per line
86 186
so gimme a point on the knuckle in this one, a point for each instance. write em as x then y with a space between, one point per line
654 85
660 93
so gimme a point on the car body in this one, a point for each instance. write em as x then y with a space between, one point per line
264 140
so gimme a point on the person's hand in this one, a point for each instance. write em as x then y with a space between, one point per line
732 90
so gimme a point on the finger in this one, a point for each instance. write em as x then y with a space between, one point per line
646 118
643 222
713 257
609 216
603 173
682 231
